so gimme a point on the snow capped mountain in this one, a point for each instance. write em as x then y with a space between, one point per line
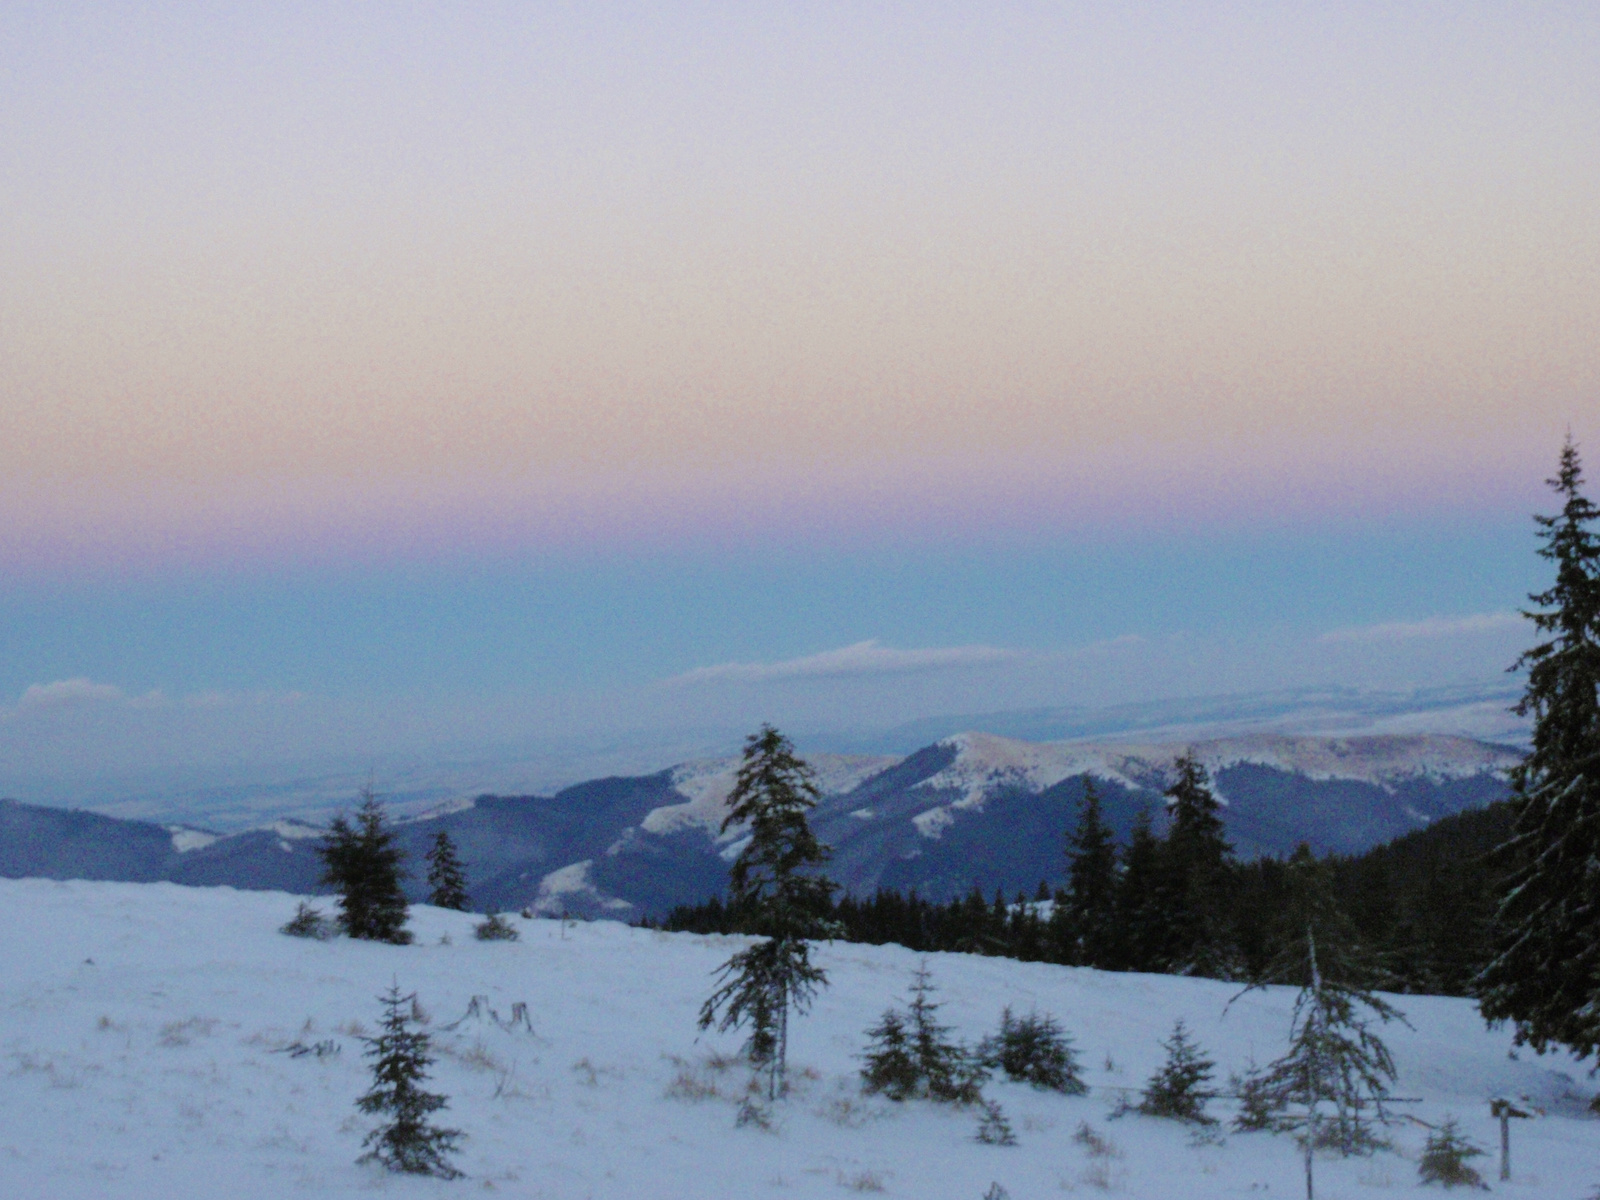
973 809
707 783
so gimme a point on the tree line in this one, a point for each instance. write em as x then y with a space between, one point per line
1182 903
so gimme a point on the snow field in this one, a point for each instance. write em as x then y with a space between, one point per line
145 1030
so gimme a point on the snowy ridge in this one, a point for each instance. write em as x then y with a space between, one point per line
985 763
185 839
707 782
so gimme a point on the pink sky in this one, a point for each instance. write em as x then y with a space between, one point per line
309 281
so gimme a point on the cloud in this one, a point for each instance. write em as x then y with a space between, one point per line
69 691
863 658
1428 627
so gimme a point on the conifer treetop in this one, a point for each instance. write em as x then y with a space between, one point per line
772 793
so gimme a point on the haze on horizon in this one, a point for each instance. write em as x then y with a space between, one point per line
408 380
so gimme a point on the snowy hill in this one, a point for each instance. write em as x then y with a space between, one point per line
146 1032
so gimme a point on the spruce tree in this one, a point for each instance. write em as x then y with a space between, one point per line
1332 1082
406 1141
911 1054
1193 888
1091 896
1034 1049
1545 976
1140 931
1177 1089
1444 1159
776 889
447 879
363 862
891 1068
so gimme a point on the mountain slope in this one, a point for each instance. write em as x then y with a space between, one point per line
149 1037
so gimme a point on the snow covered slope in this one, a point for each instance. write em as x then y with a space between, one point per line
146 1030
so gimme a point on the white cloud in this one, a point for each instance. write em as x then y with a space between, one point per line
1429 627
77 692
69 691
863 658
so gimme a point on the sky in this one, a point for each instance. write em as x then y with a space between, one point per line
432 379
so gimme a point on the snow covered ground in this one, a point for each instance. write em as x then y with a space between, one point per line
143 1036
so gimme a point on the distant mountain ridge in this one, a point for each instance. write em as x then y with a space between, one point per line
973 809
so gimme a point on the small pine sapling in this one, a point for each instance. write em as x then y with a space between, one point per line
949 1070
1444 1160
1257 1105
994 1129
447 878
406 1142
495 929
911 1055
1177 1090
1034 1049
890 1066
308 922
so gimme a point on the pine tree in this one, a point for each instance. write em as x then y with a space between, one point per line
1140 931
948 1069
1333 1080
1176 1090
911 1054
891 1067
995 1129
1091 898
447 879
406 1141
1193 886
1545 976
775 885
1444 1160
363 862
1034 1049
308 922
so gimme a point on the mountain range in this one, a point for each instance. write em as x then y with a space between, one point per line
970 810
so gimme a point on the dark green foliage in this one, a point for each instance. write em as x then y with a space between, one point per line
1141 929
774 877
1177 1090
1033 1049
307 922
1444 1160
1420 906
363 863
1193 878
447 878
775 891
406 1142
495 929
1089 907
1545 976
911 1056
891 1066
995 1129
